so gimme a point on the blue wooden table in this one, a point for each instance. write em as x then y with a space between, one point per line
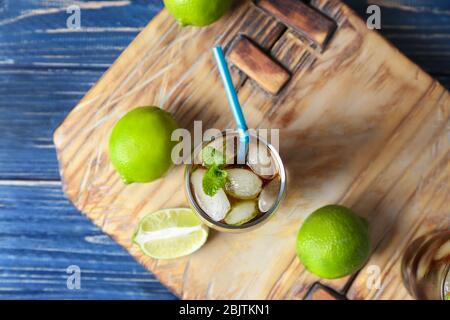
44 71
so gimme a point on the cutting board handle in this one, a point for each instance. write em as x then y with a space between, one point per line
306 20
258 65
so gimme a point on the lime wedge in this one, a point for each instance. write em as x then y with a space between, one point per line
170 233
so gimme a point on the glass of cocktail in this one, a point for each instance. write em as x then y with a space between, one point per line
426 266
253 190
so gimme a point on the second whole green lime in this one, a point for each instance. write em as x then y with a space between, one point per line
197 12
140 145
333 242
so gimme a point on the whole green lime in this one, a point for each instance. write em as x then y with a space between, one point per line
333 242
197 12
140 144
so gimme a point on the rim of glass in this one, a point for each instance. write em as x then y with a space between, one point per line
444 280
264 217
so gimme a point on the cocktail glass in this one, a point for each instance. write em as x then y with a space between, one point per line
272 203
425 266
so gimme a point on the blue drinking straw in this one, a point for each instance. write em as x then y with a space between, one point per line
234 104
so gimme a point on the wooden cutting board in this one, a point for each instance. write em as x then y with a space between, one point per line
360 124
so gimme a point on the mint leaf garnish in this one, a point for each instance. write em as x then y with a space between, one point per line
214 180
212 156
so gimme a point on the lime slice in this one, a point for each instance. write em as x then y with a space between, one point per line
170 233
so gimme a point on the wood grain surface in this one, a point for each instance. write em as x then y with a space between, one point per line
367 125
45 69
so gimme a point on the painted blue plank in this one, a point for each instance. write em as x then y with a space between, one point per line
41 234
43 75
35 32
32 104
